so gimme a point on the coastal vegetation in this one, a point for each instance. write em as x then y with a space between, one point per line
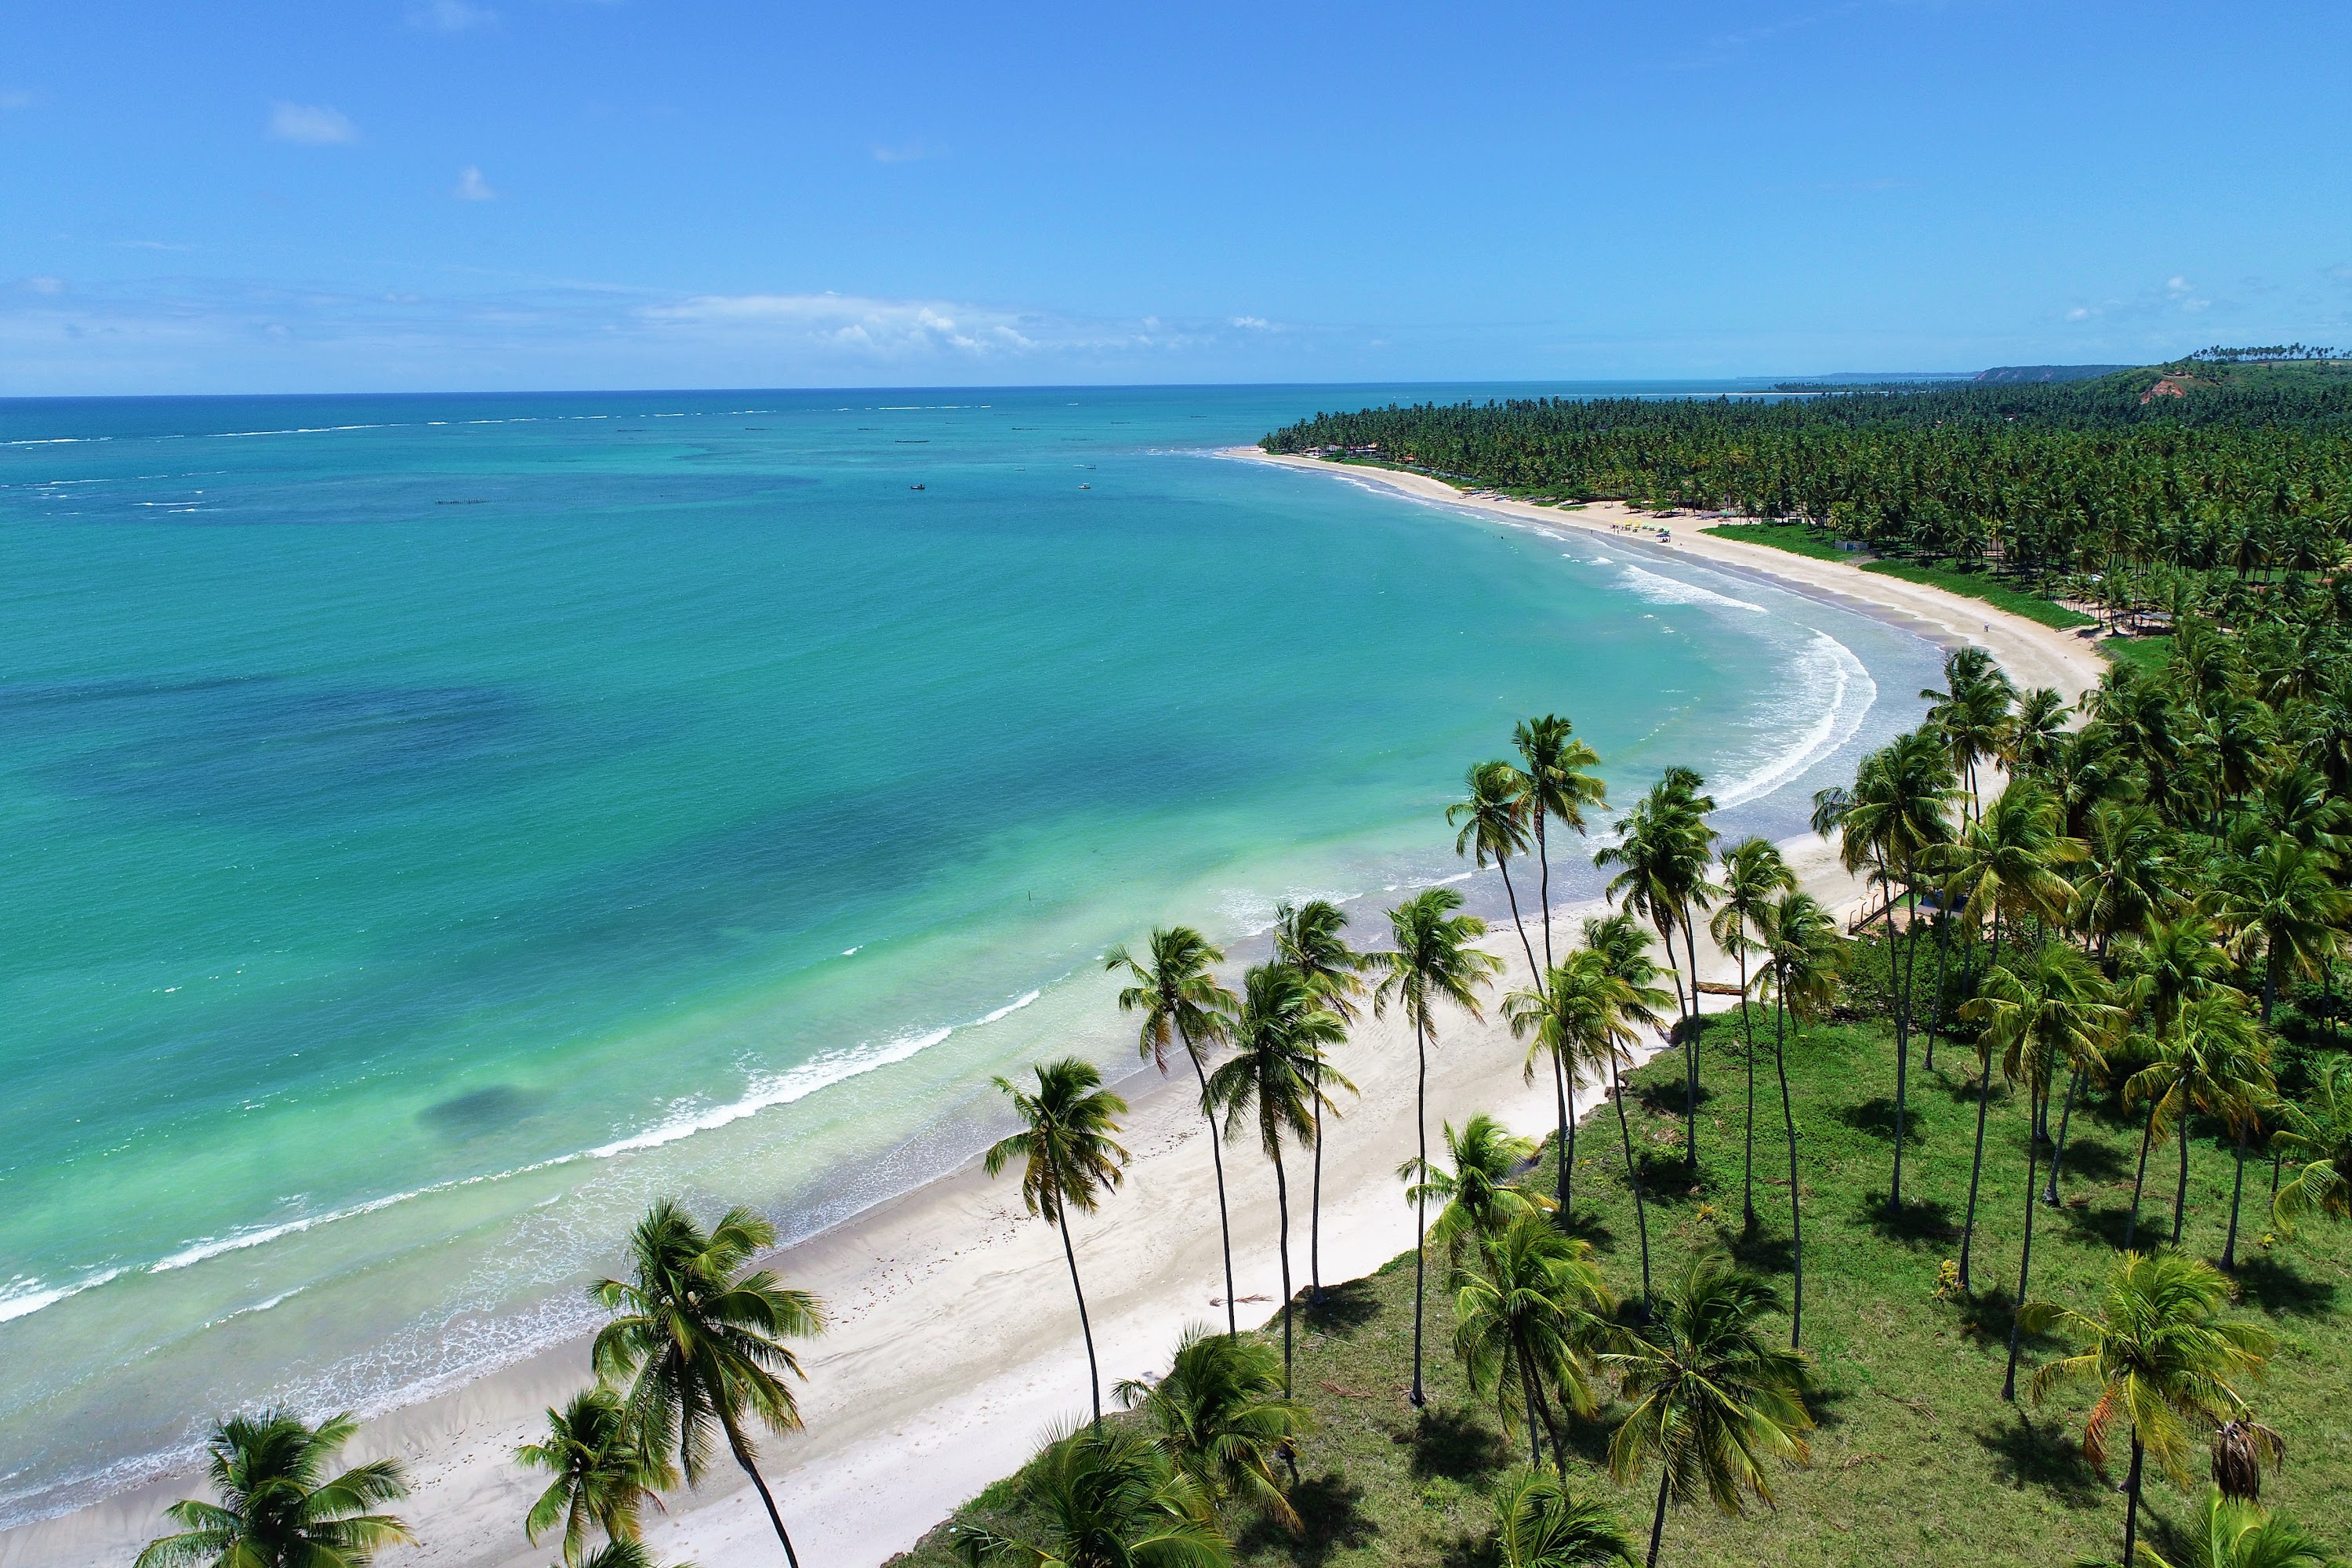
2127 928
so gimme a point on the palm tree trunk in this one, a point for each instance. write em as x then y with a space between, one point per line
1566 1145
1976 1168
1796 1205
1943 949
1282 1206
1902 975
1690 1063
1217 1158
2181 1193
1658 1523
743 1457
1094 1376
1748 1039
1421 1200
1543 889
1633 1179
1314 1198
2058 1154
2237 1190
2131 1500
1504 866
2024 1269
1528 1398
2139 1179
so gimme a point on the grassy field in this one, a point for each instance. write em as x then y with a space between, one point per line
2150 655
1917 1459
1990 589
1795 538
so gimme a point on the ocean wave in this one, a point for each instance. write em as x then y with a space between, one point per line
1657 589
1826 668
21 1296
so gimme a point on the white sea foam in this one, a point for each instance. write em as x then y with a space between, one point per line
21 1296
1837 686
1662 590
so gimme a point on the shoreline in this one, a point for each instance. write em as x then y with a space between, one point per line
965 1385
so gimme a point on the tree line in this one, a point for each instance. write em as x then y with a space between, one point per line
2132 903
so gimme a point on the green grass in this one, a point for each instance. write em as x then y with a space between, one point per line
1917 1459
1990 589
2149 655
1793 537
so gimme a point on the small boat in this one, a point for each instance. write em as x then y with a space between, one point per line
1085 487
914 487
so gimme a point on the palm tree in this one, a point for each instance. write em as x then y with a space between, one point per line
1308 939
1576 1019
2242 1448
1896 822
1098 1499
623 1554
2163 1357
1182 1005
1221 1416
2318 1138
2037 732
2281 911
602 1475
1712 1397
2212 1061
1753 874
1068 1159
2227 1533
1523 1311
1477 1198
278 1504
1632 999
1554 784
1799 939
2052 1008
2127 877
1433 961
697 1338
1495 827
1970 717
1274 1077
1664 845
1539 1523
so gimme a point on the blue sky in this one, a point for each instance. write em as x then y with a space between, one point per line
482 194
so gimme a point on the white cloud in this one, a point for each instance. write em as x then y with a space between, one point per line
2080 313
472 187
855 324
905 152
450 16
312 124
17 98
45 285
1254 323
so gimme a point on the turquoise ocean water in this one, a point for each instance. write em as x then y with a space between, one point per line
434 826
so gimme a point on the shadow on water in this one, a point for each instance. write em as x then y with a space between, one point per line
484 1111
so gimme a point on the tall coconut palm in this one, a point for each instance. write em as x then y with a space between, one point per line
1539 1523
1183 1005
623 1554
1223 1417
1070 1158
1970 716
1632 1001
1274 1079
1798 937
2166 1364
696 1340
1556 784
2225 1533
1526 1306
602 1473
2176 962
2317 1138
2052 1006
1434 961
1099 1498
1493 822
1576 1020
279 1503
1664 845
1477 1198
1753 875
1308 939
2280 912
1713 1396
2130 878
1896 823
2213 1061
2037 730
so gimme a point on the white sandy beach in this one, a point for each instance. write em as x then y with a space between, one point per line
955 1342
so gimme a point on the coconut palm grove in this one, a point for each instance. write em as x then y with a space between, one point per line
2004 1217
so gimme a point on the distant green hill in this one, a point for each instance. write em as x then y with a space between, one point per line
2005 373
